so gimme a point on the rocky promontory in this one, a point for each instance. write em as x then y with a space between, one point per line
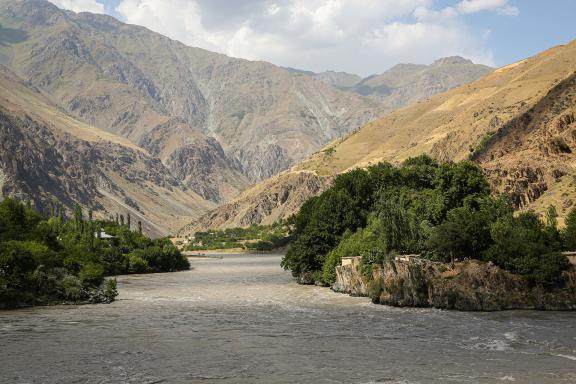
471 285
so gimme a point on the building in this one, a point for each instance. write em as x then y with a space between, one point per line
103 235
571 257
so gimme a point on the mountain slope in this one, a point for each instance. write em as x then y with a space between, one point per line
405 84
175 100
516 122
55 160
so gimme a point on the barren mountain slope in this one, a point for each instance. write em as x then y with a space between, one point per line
53 159
405 84
128 80
527 108
269 201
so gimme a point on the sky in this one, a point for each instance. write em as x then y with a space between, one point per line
356 36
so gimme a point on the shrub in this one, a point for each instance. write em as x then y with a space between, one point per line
111 289
137 264
72 288
91 274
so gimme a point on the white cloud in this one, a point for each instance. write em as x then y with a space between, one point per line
344 35
80 5
500 6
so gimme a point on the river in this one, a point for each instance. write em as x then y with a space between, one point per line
242 319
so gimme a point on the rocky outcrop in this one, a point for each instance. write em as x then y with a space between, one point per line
468 286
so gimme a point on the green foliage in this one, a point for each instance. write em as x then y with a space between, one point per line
256 237
483 144
569 232
521 245
47 259
111 289
466 231
440 210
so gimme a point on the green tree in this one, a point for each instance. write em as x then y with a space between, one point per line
569 232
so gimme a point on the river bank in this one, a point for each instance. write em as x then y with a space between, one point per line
467 286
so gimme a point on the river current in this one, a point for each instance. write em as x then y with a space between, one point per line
242 319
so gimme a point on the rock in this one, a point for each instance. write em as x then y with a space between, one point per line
471 286
306 278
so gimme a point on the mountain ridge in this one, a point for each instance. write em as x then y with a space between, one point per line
535 96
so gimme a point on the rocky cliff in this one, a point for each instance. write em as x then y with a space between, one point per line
469 286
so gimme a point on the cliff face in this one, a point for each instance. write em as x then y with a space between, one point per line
470 286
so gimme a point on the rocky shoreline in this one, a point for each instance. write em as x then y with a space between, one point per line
471 285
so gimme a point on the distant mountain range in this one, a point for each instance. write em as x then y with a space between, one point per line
518 122
119 118
405 84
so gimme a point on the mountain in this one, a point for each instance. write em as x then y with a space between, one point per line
339 80
405 84
518 122
55 160
218 123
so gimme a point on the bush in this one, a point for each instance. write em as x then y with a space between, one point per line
72 288
520 245
136 263
111 289
46 259
91 274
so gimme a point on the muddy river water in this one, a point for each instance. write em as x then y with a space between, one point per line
242 319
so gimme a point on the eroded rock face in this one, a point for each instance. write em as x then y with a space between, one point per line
470 286
277 198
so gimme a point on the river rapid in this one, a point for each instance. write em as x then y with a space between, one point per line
242 319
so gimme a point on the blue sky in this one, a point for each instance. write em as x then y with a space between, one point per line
358 36
539 25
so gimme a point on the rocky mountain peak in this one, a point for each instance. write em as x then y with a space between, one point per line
452 60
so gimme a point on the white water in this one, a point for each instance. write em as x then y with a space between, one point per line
243 320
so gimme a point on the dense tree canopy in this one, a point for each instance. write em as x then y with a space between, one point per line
442 211
46 259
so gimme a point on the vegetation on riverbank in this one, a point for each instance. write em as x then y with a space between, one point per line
254 238
50 259
442 211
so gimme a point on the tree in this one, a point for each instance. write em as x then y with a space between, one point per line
466 231
520 246
569 232
78 218
461 181
553 236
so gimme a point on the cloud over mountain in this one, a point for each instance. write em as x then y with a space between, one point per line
363 38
